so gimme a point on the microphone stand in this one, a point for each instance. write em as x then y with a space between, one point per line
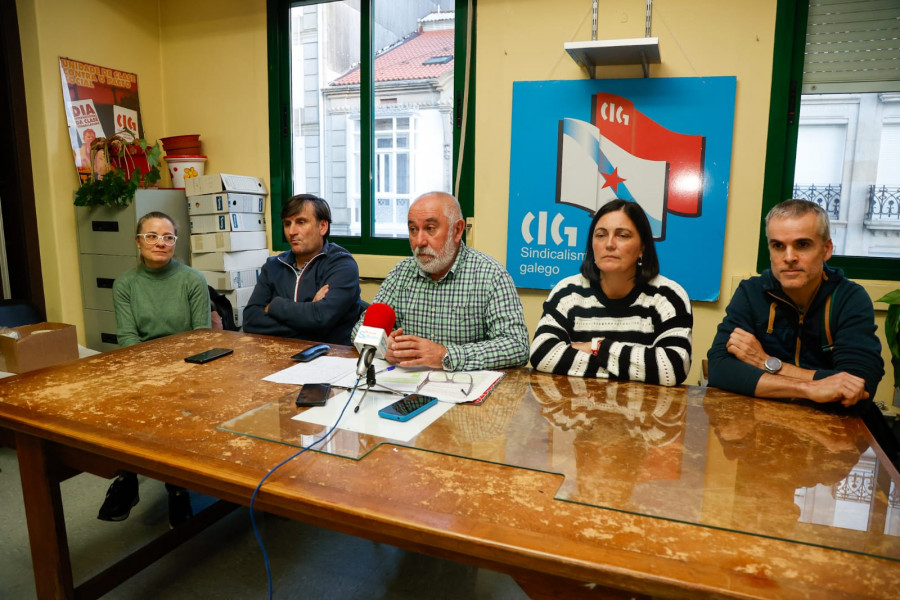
370 383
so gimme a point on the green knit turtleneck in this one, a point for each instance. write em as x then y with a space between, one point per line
152 303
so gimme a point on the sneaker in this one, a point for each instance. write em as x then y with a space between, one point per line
180 510
121 496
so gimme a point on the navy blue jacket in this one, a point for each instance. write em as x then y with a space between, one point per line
288 293
798 338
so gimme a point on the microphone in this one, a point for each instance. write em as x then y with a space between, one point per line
372 338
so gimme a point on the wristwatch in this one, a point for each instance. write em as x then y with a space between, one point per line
772 365
445 362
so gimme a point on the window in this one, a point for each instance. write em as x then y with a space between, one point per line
367 107
834 126
395 153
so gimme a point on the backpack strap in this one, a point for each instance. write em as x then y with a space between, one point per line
771 326
827 315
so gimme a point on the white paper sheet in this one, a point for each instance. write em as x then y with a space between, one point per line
341 372
325 369
367 420
405 381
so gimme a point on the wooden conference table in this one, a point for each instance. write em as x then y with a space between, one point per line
576 488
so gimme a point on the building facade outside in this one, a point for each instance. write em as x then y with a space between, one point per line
413 108
848 161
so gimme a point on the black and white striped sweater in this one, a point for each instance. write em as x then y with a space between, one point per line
646 335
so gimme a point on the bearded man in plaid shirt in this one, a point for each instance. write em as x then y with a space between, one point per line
457 308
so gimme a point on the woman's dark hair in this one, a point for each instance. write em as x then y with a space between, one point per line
295 204
155 215
649 266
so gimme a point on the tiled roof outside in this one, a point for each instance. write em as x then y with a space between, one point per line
405 61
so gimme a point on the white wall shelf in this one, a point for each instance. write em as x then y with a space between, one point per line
632 51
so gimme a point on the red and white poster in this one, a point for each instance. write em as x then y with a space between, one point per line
99 102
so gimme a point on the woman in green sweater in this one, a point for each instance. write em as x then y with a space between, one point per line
158 297
138 293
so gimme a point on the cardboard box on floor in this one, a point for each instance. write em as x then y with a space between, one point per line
39 345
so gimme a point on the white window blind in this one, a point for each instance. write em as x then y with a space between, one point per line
852 46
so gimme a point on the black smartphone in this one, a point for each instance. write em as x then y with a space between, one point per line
208 355
314 394
408 407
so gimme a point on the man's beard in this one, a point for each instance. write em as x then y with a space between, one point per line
439 262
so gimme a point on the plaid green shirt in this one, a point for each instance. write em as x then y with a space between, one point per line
473 311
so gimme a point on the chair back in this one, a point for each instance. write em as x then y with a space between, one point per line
14 313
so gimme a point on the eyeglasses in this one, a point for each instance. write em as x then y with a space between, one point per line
151 239
462 379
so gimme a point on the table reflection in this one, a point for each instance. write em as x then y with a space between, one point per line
793 468
623 434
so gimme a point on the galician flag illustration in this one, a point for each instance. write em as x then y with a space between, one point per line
592 170
639 135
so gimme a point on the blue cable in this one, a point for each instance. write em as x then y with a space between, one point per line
275 468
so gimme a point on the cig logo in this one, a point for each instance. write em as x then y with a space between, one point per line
556 230
614 114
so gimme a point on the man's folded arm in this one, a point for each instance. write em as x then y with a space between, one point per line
256 319
343 285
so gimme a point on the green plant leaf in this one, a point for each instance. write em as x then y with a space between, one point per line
153 154
152 176
896 363
892 330
890 298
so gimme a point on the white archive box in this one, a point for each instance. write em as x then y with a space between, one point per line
231 280
228 241
211 204
239 297
228 222
223 182
229 261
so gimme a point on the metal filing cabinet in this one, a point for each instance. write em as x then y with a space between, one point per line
106 249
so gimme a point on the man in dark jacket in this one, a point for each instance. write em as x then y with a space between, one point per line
801 330
311 291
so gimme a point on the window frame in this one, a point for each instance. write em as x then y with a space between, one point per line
280 155
781 148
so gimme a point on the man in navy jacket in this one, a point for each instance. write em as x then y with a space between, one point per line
311 291
801 330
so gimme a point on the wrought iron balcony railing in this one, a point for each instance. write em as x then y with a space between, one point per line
827 196
884 203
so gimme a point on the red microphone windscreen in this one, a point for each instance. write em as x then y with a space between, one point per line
381 316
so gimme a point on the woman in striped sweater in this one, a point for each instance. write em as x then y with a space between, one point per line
619 318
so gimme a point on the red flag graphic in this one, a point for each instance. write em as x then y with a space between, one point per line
635 132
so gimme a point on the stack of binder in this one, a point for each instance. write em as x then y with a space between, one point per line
228 233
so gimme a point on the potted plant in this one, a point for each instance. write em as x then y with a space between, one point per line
120 164
892 333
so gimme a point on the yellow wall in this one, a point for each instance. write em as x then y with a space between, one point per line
202 67
215 80
123 35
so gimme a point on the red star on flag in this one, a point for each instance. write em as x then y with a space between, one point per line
612 179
